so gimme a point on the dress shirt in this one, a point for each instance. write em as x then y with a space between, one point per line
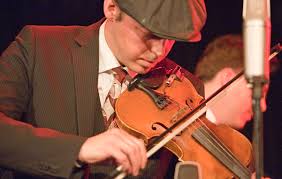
107 61
210 116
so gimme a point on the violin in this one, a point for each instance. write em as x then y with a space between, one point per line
155 103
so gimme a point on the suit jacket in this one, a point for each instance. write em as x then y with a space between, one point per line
49 102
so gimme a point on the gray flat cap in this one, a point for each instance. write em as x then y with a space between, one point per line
179 20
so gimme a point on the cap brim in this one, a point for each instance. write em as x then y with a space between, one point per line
195 38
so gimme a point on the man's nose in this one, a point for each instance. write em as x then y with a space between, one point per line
157 46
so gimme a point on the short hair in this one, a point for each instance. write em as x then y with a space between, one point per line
224 51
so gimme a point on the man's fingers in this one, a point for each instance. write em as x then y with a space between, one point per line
139 147
133 148
122 159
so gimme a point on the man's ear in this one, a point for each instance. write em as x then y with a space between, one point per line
111 10
225 75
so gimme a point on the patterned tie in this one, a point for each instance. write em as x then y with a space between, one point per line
118 86
116 89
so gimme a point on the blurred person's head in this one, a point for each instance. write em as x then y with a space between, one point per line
221 61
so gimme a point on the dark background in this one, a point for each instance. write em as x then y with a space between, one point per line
224 16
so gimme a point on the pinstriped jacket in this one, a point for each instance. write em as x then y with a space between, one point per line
49 100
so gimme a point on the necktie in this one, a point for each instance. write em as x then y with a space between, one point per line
116 89
108 109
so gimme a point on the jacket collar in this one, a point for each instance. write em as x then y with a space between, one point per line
85 36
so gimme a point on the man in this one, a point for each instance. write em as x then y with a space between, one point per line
54 81
221 61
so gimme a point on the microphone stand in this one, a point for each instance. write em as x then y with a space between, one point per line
257 94
257 84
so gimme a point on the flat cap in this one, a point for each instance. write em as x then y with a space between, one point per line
179 20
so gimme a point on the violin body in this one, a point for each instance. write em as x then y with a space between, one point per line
211 166
203 142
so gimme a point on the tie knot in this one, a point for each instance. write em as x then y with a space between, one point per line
119 73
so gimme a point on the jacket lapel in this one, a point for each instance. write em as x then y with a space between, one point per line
86 64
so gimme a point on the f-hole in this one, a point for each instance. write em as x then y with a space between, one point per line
161 125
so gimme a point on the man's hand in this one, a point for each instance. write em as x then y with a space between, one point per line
126 150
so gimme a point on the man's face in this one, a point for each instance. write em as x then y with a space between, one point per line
240 104
134 46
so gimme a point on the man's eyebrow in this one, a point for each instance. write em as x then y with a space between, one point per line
153 36
141 27
147 33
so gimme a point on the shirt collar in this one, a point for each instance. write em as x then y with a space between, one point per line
210 116
107 60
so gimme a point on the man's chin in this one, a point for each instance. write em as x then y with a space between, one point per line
242 125
139 70
244 121
238 126
239 123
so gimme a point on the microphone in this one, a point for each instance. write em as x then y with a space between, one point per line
256 37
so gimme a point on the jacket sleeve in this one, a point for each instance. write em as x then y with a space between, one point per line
37 151
25 148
